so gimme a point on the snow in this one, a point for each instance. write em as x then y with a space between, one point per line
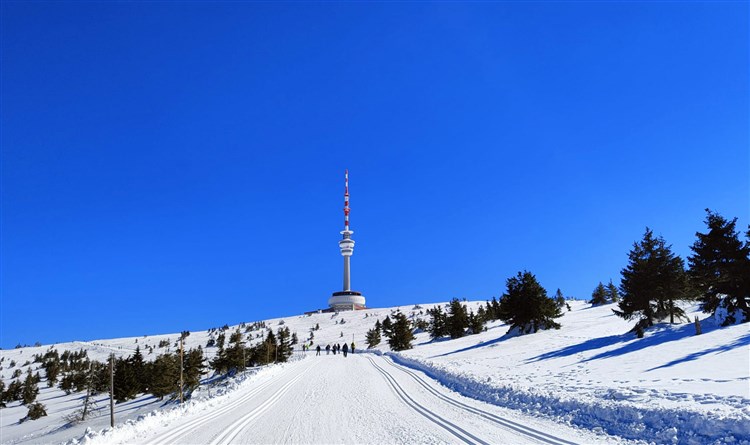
591 381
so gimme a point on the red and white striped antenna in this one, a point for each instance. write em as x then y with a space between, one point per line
346 200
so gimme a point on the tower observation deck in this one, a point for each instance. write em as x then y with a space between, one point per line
347 299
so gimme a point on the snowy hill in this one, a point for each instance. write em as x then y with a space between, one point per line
669 387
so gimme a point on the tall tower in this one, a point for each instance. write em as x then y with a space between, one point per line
347 299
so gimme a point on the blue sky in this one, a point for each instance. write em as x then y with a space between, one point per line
177 166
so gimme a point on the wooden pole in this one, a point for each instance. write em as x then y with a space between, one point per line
112 390
181 366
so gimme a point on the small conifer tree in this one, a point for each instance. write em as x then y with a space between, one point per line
720 268
401 334
373 337
526 307
652 282
599 296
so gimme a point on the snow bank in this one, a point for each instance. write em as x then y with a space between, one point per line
657 425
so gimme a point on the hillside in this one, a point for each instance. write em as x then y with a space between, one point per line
670 386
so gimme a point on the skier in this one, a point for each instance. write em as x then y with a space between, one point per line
317 350
328 349
352 347
346 348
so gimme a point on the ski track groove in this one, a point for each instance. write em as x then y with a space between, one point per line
517 427
171 436
457 431
236 428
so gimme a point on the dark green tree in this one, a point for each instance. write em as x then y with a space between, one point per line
194 365
30 389
559 298
373 337
36 410
599 296
387 327
165 375
285 344
613 295
401 334
125 382
475 322
526 307
139 370
437 327
720 268
457 320
652 282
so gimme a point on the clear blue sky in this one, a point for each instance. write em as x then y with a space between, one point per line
170 166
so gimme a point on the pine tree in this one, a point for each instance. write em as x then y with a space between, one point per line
387 327
475 322
401 334
30 389
139 371
36 410
125 382
193 368
437 327
599 296
165 375
285 345
525 305
559 298
613 295
457 320
373 337
720 268
652 282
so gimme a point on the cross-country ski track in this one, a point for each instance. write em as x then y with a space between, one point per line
362 398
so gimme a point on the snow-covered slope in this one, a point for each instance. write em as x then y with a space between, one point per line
670 386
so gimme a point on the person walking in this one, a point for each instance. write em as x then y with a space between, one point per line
352 347
317 350
328 349
346 348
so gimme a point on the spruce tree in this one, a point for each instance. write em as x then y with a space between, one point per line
437 327
599 296
285 344
613 295
457 320
125 383
30 389
559 298
165 375
401 334
526 307
720 268
139 371
36 410
475 322
373 337
194 366
387 326
652 283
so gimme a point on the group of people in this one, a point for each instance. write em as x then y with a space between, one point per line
337 348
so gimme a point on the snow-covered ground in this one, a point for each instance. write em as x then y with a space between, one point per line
588 382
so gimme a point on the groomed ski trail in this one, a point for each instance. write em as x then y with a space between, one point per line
362 398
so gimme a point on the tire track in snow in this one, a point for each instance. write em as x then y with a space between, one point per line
236 428
173 436
516 427
452 428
